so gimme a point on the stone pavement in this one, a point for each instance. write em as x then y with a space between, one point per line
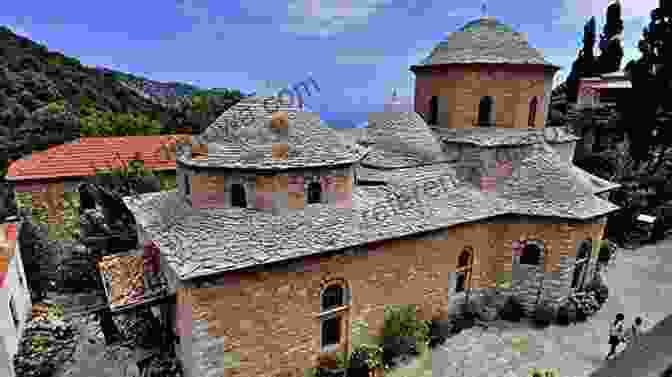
637 282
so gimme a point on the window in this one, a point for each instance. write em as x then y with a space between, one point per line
486 111
463 269
433 110
582 258
187 185
533 112
12 309
314 192
238 196
531 254
333 298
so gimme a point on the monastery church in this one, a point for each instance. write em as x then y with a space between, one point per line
281 233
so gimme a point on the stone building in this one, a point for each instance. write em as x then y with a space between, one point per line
280 234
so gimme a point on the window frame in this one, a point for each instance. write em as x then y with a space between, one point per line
433 117
464 271
490 115
578 281
331 313
538 260
241 191
309 198
532 116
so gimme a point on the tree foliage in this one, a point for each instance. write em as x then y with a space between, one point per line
651 78
584 65
108 123
611 49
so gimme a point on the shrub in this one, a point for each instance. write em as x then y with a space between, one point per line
398 346
599 290
359 366
512 310
544 314
372 354
439 331
402 320
586 304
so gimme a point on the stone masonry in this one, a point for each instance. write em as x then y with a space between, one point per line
268 319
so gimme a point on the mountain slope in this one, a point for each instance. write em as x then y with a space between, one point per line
44 95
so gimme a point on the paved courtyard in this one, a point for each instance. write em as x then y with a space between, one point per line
640 283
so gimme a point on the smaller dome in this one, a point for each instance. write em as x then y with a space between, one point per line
276 142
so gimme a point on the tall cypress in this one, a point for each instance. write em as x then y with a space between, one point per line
611 49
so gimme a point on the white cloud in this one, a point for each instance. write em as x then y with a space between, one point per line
576 12
327 17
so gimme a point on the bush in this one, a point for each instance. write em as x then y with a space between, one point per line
439 331
586 304
599 290
402 320
512 310
398 346
359 366
544 314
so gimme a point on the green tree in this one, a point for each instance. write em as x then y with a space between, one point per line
651 78
584 65
611 49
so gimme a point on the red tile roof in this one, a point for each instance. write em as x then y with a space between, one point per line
80 158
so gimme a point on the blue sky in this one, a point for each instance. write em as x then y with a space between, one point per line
357 51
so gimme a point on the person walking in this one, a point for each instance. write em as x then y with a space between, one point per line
635 331
616 334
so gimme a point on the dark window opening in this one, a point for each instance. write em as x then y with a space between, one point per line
463 260
331 331
486 111
238 196
464 269
433 110
459 285
533 112
314 193
187 185
332 297
531 255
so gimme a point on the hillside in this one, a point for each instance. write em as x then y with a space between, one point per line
49 98
32 78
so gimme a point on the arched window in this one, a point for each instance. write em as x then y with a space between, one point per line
332 300
314 193
581 263
486 111
533 112
531 254
238 196
463 270
433 110
187 186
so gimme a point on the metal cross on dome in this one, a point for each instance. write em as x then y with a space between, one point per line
484 8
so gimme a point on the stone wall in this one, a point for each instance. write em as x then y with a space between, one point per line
463 86
267 320
277 193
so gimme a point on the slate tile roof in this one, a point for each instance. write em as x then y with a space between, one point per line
484 41
204 241
250 146
400 139
78 159
498 136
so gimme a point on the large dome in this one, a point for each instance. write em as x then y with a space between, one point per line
484 41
